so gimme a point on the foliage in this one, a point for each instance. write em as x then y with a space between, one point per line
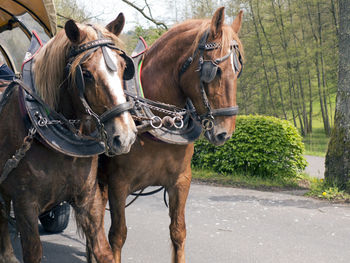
70 9
295 44
150 35
261 145
323 190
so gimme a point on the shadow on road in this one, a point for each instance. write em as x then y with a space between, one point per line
308 204
53 252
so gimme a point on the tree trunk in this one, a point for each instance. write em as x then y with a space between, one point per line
263 59
338 154
274 63
324 84
301 97
317 64
334 15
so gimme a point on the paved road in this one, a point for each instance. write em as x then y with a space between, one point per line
226 225
315 167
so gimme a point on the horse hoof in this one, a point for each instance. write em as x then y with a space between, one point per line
8 259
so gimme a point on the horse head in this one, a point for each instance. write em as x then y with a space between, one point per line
91 84
217 60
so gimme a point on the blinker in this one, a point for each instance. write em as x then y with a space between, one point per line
208 71
109 62
129 71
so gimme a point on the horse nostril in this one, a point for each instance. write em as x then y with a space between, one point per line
221 137
116 141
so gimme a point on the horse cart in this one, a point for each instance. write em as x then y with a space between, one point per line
18 19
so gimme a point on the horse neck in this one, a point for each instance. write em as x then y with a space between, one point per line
162 62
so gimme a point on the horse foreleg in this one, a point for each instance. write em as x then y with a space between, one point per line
26 212
91 219
6 250
118 231
177 200
89 253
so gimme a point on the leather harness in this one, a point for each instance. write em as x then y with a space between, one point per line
54 129
207 71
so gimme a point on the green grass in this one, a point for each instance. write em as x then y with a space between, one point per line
316 143
323 190
245 181
316 188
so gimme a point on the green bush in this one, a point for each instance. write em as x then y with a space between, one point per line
261 145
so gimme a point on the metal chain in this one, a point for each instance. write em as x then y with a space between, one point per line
156 108
42 121
13 162
157 122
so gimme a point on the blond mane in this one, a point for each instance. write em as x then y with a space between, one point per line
51 60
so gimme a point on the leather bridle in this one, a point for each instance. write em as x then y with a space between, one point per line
91 47
207 71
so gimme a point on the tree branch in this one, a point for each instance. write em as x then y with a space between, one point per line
150 18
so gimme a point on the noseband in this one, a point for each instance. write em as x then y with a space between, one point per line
91 47
207 71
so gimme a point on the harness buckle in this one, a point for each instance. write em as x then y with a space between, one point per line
207 124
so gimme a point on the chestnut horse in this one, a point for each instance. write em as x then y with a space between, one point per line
154 163
46 177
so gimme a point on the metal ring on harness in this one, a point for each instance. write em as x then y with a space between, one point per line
207 124
177 119
156 119
42 122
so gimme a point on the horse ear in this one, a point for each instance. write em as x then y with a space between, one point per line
117 25
73 32
217 22
237 23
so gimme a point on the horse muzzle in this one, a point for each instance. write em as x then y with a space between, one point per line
217 136
121 134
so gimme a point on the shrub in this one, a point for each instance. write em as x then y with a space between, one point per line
261 145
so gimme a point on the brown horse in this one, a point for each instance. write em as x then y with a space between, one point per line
46 177
152 163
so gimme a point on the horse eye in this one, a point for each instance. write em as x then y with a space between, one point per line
87 75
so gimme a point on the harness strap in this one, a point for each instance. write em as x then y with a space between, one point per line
126 106
229 111
92 44
6 95
155 103
141 193
53 113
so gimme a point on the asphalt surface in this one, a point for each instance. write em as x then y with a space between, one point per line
225 225
315 166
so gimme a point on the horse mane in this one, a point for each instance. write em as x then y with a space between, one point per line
52 58
226 37
198 27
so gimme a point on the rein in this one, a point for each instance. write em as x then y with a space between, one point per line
207 71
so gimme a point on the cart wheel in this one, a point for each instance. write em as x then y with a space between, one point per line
56 220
